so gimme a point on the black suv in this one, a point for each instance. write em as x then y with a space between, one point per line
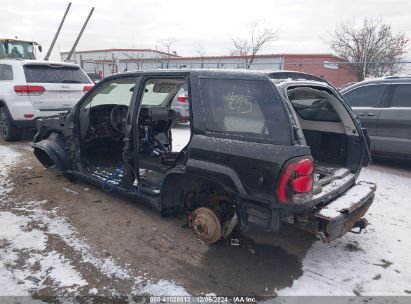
384 108
256 151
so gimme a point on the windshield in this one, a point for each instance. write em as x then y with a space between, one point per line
115 92
157 92
17 49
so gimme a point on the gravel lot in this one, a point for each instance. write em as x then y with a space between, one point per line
58 238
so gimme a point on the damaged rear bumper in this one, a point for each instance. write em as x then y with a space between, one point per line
342 214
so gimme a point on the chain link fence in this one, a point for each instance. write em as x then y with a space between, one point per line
337 72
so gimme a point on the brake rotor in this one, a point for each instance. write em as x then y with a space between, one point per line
207 225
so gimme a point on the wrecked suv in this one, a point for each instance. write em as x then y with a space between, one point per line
258 150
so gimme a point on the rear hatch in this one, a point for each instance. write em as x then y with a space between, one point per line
327 126
58 86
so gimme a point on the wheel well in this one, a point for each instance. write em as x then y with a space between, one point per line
205 193
3 104
52 151
192 187
43 157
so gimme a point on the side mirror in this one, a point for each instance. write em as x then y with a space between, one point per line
40 48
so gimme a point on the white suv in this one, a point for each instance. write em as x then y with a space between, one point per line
30 89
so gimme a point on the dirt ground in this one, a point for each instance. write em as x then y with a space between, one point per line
153 247
139 237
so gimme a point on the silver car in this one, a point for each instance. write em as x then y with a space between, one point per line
384 107
180 104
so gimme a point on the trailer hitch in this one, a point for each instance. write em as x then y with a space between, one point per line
360 224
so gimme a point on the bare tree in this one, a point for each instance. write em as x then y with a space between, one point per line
373 49
201 52
167 44
136 58
259 37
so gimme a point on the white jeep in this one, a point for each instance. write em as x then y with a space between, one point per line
30 89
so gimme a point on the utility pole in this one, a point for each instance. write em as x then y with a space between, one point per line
57 33
79 35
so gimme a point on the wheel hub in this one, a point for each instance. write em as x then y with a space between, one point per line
207 225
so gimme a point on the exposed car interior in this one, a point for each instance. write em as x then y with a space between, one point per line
328 130
102 127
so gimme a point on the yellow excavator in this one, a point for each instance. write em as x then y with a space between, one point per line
17 48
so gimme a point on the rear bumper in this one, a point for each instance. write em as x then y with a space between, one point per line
25 124
342 214
32 123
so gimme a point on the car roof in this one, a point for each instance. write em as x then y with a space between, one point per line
300 83
286 75
16 39
287 78
379 80
205 73
13 61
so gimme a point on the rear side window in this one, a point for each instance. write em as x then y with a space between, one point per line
245 108
401 96
366 96
6 72
54 74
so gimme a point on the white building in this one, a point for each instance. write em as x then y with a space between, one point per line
110 61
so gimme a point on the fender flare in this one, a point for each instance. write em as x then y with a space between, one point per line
175 179
53 151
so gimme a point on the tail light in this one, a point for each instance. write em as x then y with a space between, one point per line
296 182
182 98
87 88
32 90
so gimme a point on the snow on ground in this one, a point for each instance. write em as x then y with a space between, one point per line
7 157
375 262
28 264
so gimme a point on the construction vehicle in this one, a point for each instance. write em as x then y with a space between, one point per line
18 49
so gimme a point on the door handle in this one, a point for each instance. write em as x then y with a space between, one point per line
366 114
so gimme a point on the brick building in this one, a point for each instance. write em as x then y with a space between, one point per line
324 65
109 61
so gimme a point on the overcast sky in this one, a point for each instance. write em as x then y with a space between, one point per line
304 26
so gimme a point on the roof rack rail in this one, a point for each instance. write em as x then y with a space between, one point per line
398 76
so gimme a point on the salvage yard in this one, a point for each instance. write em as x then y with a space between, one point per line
59 238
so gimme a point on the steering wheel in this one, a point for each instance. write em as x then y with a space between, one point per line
118 118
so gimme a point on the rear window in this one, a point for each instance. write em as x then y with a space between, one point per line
313 104
59 74
245 108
